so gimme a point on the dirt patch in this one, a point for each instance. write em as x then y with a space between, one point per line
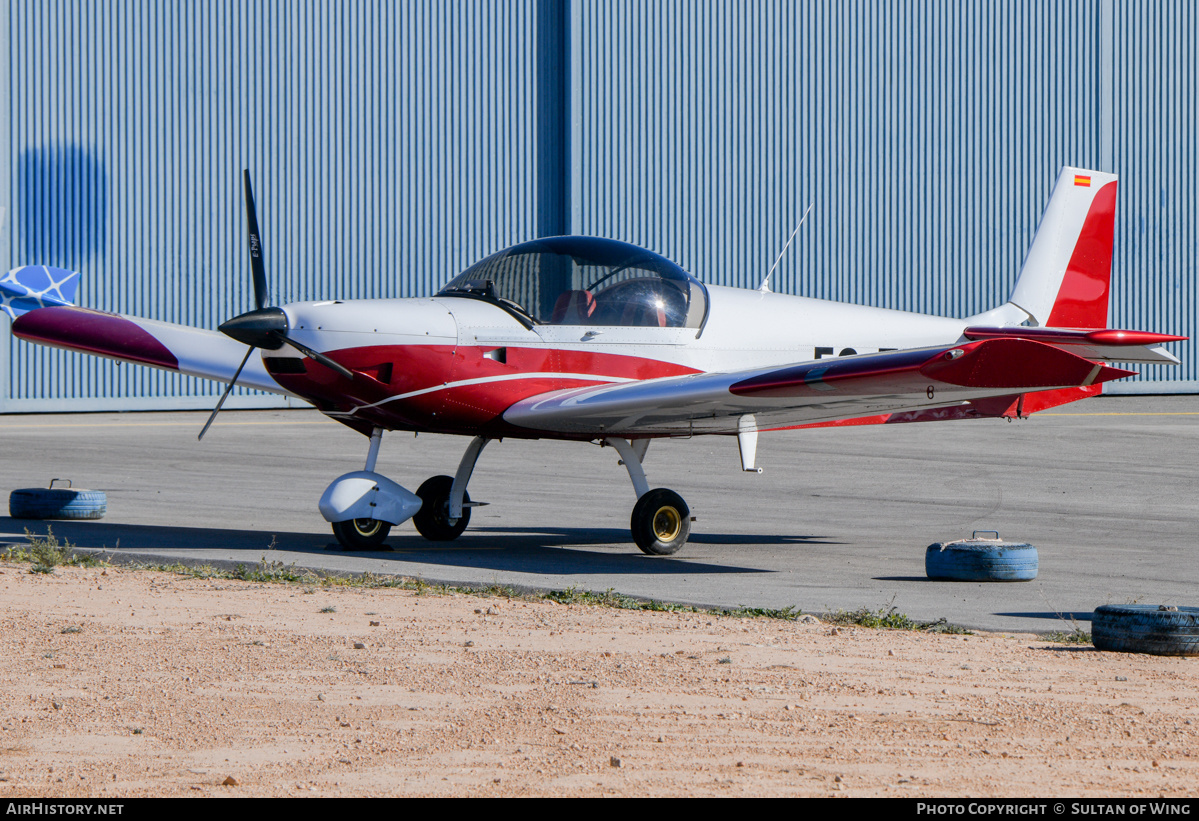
135 683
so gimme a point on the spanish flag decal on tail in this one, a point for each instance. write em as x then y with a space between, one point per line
1084 181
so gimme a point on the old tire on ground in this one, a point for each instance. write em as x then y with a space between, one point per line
1146 628
361 534
57 503
433 519
661 522
981 560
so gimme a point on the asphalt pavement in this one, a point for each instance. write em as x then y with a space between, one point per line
839 518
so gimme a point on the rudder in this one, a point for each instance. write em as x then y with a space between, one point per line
1066 278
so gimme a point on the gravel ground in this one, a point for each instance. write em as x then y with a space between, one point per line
121 682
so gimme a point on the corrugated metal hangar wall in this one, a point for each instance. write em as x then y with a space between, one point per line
392 144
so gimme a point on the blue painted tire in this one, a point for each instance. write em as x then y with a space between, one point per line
57 503
981 561
1144 628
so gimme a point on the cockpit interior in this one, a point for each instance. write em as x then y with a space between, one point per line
585 281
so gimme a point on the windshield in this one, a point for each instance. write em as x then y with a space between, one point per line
586 281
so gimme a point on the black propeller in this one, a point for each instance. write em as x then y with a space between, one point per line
262 294
262 327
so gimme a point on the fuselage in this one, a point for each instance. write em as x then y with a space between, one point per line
453 364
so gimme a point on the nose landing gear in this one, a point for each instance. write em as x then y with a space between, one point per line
363 506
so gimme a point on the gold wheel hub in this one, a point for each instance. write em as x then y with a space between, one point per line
667 524
367 527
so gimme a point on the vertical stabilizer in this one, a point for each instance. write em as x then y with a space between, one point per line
1066 276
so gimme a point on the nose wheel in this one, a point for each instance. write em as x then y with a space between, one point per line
661 522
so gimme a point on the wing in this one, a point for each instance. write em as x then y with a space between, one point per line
813 392
164 345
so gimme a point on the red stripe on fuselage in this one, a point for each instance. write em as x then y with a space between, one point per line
446 407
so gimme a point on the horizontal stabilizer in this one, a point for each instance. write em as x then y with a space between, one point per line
1014 364
1019 363
1108 344
36 286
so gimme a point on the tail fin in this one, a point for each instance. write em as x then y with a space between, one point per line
36 286
1066 276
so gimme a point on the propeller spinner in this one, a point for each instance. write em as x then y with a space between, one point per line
262 327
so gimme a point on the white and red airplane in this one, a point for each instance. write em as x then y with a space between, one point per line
594 340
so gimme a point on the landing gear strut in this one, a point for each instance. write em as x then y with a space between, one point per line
445 504
433 519
661 520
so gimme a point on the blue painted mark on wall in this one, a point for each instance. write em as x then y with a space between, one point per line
60 206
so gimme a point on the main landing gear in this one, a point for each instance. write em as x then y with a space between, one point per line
445 504
661 520
363 506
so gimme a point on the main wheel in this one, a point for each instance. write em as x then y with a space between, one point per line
361 534
661 522
433 519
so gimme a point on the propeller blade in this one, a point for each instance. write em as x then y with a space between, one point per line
261 292
262 327
318 356
225 395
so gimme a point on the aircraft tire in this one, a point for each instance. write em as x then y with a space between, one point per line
432 520
57 503
661 522
981 561
361 534
1146 628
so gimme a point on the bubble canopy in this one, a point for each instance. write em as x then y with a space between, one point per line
585 281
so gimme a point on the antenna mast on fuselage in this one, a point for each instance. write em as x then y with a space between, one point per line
765 286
